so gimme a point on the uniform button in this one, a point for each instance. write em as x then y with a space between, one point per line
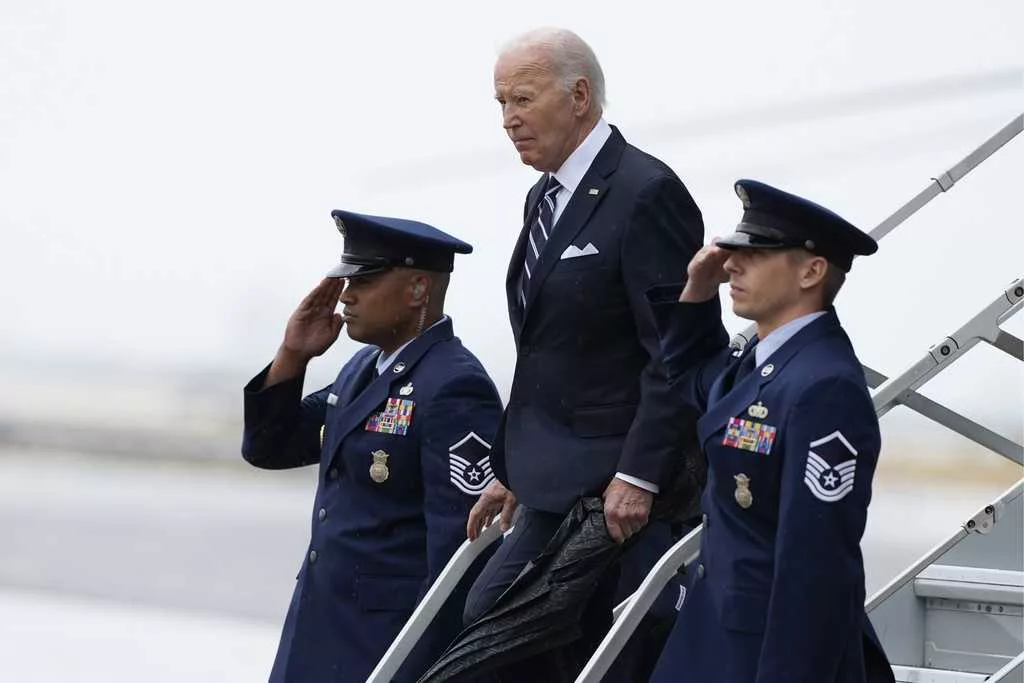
312 556
700 571
322 514
332 473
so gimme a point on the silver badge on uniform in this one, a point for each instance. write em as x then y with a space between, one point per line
742 493
379 471
758 410
399 367
406 390
767 370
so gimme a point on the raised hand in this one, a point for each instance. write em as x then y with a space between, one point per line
315 325
311 330
705 272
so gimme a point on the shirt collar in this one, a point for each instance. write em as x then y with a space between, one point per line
384 362
782 334
570 175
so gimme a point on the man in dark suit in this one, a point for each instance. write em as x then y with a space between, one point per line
402 442
792 441
590 412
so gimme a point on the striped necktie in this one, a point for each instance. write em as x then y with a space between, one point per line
540 231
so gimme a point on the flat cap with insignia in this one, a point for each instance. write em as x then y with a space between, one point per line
377 243
773 219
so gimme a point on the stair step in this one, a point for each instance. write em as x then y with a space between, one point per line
973 584
913 674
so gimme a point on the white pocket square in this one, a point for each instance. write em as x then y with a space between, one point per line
572 251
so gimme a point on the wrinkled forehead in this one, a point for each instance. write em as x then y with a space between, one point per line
521 66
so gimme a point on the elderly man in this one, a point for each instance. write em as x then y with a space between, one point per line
792 441
590 412
401 439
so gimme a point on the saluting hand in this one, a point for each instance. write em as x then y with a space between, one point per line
315 325
626 509
311 330
495 498
705 272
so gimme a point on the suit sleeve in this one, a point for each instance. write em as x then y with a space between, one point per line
458 426
663 234
817 593
281 429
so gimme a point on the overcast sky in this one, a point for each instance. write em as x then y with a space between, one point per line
167 170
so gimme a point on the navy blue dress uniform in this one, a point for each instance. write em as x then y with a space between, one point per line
402 458
792 443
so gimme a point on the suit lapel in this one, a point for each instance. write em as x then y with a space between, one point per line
591 191
367 402
745 392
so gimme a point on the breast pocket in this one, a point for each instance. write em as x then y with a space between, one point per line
584 262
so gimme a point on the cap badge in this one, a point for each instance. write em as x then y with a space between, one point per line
767 370
742 194
379 471
758 410
406 390
744 498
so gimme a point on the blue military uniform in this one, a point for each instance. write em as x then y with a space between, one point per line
792 442
402 458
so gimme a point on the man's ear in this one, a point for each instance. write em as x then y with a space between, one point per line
813 272
581 95
420 293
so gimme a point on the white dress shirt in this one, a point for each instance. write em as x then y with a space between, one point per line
571 173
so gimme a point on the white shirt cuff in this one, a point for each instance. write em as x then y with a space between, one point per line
642 483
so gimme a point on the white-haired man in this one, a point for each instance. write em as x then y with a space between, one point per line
590 412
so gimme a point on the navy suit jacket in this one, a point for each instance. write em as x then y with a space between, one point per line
589 396
778 596
376 544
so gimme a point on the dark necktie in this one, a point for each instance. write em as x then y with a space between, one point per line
747 363
540 231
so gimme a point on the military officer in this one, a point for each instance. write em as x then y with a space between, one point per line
792 441
402 441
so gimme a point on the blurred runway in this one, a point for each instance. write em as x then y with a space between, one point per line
115 570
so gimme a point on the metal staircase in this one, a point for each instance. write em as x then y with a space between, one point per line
954 616
957 614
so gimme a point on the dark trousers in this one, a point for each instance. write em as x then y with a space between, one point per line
532 531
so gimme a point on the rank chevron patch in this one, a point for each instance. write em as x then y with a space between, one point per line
469 464
830 469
